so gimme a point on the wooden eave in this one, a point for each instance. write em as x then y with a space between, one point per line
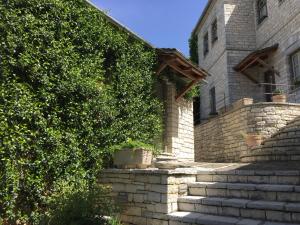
176 61
257 58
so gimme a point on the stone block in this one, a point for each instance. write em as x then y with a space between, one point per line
278 216
197 191
216 192
188 207
253 213
153 197
207 209
133 211
296 217
230 211
293 207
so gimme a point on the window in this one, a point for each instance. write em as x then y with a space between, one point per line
214 31
205 44
213 106
295 60
280 1
262 10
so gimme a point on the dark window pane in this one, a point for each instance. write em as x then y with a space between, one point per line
213 107
197 110
262 10
214 31
205 44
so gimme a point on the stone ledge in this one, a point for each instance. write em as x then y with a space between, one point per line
153 171
254 105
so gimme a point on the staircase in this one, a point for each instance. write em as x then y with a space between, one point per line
282 146
240 197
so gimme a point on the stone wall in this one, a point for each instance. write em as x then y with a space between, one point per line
222 139
178 125
147 196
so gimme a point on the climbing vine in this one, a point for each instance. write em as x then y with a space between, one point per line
71 85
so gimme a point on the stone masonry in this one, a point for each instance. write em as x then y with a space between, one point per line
178 125
222 139
239 34
232 194
147 196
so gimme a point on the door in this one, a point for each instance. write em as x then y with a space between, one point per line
270 85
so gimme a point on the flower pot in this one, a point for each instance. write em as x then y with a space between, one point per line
279 98
242 102
253 140
133 158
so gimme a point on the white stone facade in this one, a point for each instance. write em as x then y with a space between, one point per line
239 34
178 137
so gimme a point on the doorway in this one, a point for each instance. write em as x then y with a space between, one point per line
270 85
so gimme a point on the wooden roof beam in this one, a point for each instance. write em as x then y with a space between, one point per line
175 67
248 65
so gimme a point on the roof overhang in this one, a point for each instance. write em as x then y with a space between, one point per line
175 60
257 58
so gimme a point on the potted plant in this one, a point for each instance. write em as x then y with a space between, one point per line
133 154
279 96
253 139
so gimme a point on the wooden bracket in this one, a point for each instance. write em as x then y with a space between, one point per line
263 63
186 89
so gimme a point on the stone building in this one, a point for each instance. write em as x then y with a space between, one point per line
251 48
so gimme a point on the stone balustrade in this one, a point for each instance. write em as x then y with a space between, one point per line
222 139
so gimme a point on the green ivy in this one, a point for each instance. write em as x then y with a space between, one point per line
193 43
71 85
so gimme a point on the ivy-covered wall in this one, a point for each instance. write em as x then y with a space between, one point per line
71 85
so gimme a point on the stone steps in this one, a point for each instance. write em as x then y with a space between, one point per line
261 154
251 176
282 146
240 197
268 192
192 218
262 210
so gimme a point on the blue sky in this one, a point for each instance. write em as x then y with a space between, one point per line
163 23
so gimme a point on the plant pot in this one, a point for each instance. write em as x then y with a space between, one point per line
279 98
133 158
253 140
242 102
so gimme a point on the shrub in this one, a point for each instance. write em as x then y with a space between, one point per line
71 84
133 144
83 208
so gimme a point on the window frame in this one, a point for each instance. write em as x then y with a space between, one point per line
295 77
259 7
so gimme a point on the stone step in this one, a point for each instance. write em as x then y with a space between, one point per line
262 154
250 176
192 218
268 192
263 210
283 141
